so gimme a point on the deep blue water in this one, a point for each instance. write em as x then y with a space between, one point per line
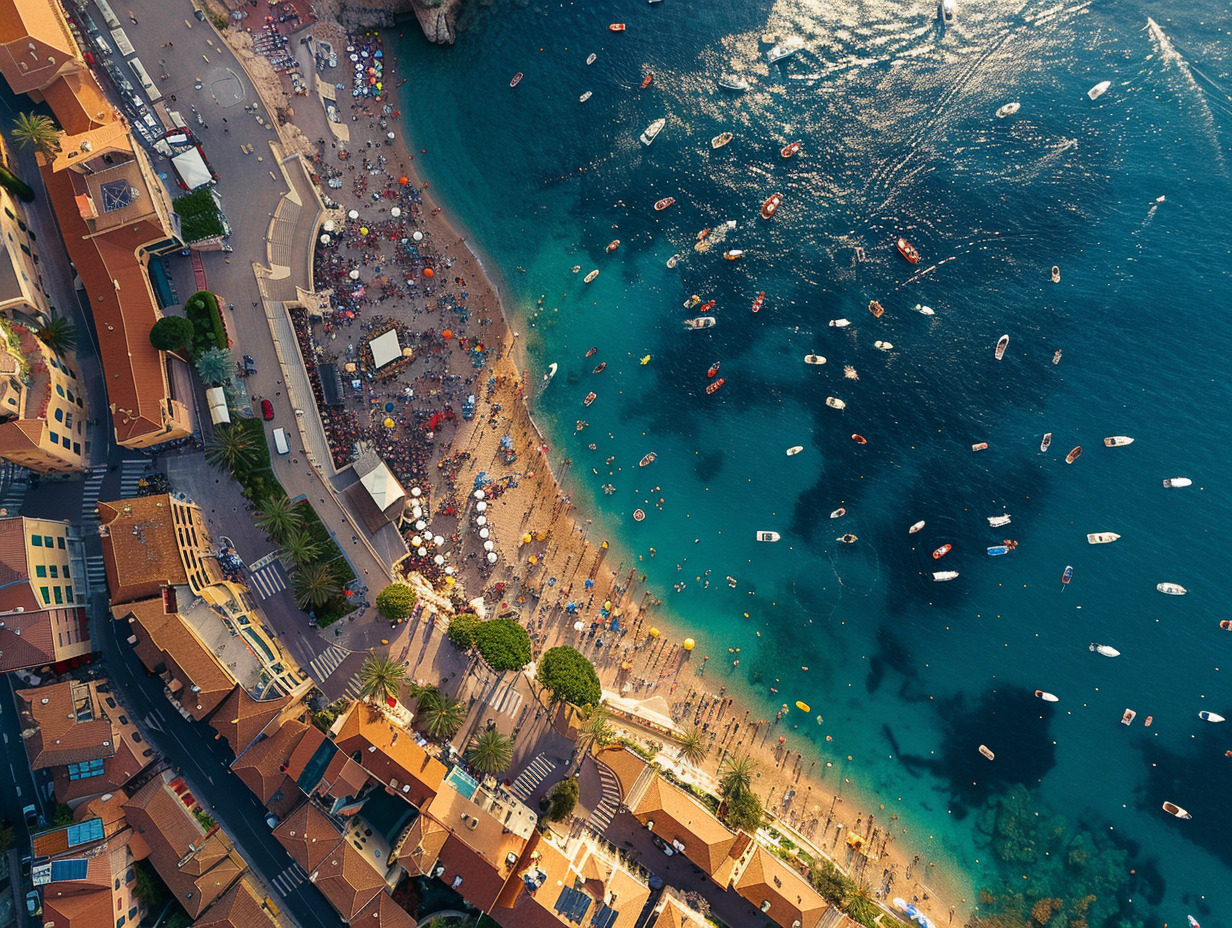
896 117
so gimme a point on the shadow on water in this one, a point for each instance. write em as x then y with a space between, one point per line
1200 781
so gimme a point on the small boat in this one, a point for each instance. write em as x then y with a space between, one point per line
616 27
1056 274
517 79
1074 454
551 372
599 370
838 513
794 450
850 372
692 301
1172 589
850 539
707 306
734 254
591 352
1117 441
1128 716
1149 720
732 82
942 552
773 202
590 398
591 276
646 81
907 250
590 59
949 9
1008 110
1193 922
784 49
701 322
1173 809
883 346
1175 483
653 130
1002 343
701 236
1056 358
612 245
1102 538
714 369
1104 649
875 308
915 527
1098 90
1009 543
1047 697
924 310
761 299
721 139
1046 442
1226 624
839 323
789 150
859 439
987 752
814 359
998 550
998 521
940 576
1066 576
645 360
768 536
586 96
671 262
638 515
1210 716
835 403
715 386
647 459
980 446
664 203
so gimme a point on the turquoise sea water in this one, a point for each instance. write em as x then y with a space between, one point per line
896 117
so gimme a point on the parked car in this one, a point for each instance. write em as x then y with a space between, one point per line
663 846
31 815
34 905
271 819
267 410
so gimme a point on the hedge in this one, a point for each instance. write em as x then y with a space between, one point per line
199 216
203 312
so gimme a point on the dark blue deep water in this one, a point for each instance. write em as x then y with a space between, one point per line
896 116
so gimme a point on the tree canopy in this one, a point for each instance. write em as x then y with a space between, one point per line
561 799
569 676
503 644
396 601
743 812
461 631
170 333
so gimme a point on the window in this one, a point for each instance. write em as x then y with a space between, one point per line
59 415
76 444
120 922
68 594
36 541
60 545
59 390
55 571
40 570
66 574
46 593
59 595
47 541
132 913
85 770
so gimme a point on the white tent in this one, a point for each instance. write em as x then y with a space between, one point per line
382 486
385 348
218 405
192 169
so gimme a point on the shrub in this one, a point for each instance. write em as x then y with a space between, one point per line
462 628
569 676
203 312
171 333
396 601
561 799
199 215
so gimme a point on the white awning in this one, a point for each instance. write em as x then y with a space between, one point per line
217 400
382 486
192 169
385 348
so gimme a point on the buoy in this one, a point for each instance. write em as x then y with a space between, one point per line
654 632
689 644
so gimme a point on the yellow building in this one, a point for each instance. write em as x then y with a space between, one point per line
42 409
21 283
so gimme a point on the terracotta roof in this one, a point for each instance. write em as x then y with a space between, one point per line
347 880
40 24
239 907
166 644
79 103
397 756
344 777
674 913
260 767
86 903
677 816
766 878
626 766
118 769
67 726
241 718
309 836
383 912
26 640
140 549
303 752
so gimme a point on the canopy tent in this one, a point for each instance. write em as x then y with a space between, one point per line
193 170
218 405
385 348
382 486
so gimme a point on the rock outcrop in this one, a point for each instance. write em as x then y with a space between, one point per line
437 19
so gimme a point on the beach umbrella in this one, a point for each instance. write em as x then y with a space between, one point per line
324 239
578 626
534 559
491 557
654 632
353 214
422 552
526 538
689 644
479 494
481 507
484 533
481 520
438 540
388 135
589 583
417 235
439 560
488 545
417 512
607 604
417 540
404 180
396 212
389 423
329 225
416 492
363 230
450 581
421 525
354 275
625 665
427 272
449 570
448 333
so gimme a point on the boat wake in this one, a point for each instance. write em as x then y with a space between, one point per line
1169 55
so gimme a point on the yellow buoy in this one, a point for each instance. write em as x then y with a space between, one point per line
689 644
654 632
802 706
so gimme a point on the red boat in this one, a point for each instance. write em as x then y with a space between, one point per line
757 303
714 386
646 81
590 398
1073 455
1009 543
941 552
591 352
790 150
665 203
703 233
600 368
613 245
714 369
859 439
907 250
638 515
773 202
616 27
876 308
517 77
706 307
1226 624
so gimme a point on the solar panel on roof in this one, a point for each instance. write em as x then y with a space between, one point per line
573 904
73 869
605 917
85 832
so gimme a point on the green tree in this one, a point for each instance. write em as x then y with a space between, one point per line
213 366
561 800
33 130
15 185
396 601
595 731
171 333
59 334
300 547
315 585
231 449
442 715
569 676
462 630
693 745
490 752
278 517
380 678
736 775
861 905
829 881
503 644
743 811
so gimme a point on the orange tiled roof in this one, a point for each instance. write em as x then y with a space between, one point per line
397 755
626 765
140 548
766 878
309 836
383 912
165 644
241 718
239 907
260 767
348 881
67 725
79 103
40 24
677 816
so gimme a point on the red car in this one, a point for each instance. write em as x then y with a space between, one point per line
267 410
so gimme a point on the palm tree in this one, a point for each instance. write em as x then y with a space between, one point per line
595 730
315 585
278 517
380 678
490 752
860 904
443 714
693 747
299 547
32 130
231 449
59 334
736 775
214 366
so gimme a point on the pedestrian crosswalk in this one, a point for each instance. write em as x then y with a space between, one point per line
505 700
327 662
268 580
608 805
96 573
288 879
131 472
89 498
530 778
355 687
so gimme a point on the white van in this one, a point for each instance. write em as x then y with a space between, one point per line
280 441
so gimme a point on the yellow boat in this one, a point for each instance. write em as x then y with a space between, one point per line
645 360
802 706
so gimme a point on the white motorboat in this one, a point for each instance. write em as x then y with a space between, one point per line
915 527
732 82
671 262
768 536
949 9
835 403
924 310
1106 650
584 97
1047 697
1210 716
998 521
591 276
838 513
1002 343
942 575
794 450
1177 482
987 752
590 59
1098 90
701 322
1008 110
1102 538
652 131
550 373
1173 809
883 346
1117 441
1172 589
814 359
839 323
785 49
